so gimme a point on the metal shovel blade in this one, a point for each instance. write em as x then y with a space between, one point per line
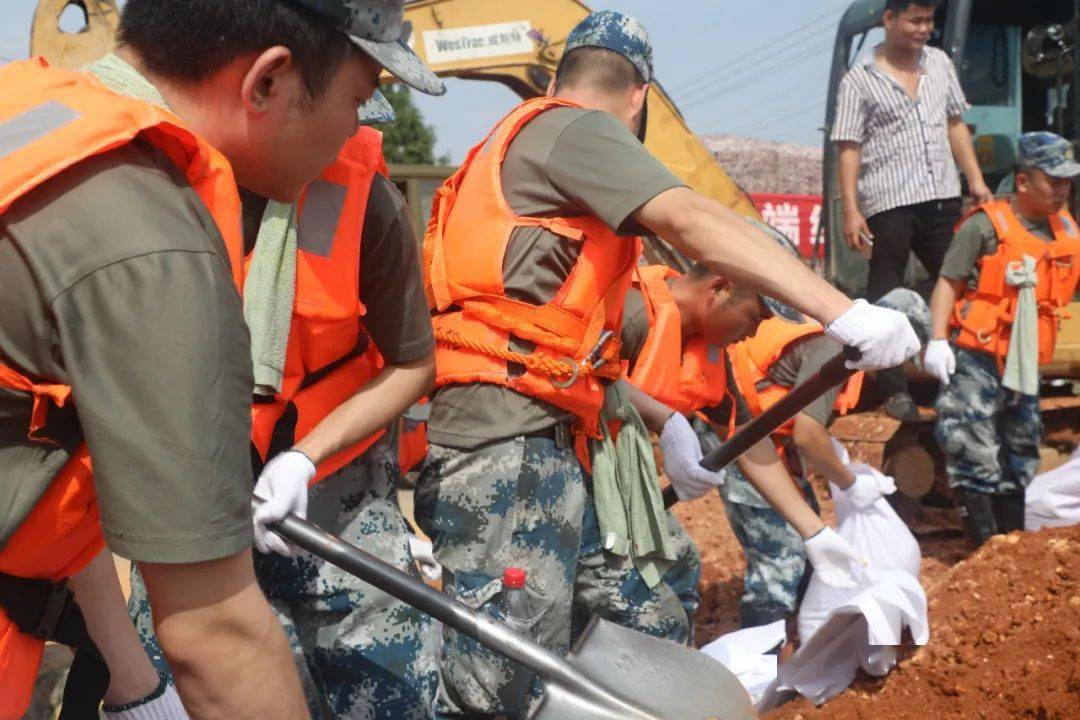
670 681
602 681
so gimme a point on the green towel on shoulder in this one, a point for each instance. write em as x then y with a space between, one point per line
270 285
626 489
1022 359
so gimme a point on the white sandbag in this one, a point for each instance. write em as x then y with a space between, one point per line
1053 498
743 652
860 632
879 536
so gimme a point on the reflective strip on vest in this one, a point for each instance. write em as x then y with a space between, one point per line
34 124
318 223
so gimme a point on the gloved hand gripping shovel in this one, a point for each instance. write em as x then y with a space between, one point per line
612 673
832 373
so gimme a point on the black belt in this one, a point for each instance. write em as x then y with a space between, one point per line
48 611
559 434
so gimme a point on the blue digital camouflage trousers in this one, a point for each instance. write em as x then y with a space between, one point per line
360 653
611 587
776 567
990 435
517 502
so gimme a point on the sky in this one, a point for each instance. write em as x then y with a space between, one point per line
758 69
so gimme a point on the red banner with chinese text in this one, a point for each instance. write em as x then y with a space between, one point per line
797 217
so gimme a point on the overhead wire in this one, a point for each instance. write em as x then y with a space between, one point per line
695 83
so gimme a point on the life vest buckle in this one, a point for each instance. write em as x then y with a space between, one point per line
983 336
575 372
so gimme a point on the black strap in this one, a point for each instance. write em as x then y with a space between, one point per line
48 611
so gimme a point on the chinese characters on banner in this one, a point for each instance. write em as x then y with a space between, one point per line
797 217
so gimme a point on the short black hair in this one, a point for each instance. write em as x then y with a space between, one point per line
597 67
898 6
189 40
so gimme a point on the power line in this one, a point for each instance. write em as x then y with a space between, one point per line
751 56
749 109
717 92
782 119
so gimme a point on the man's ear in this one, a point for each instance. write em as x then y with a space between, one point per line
262 81
637 97
551 87
718 284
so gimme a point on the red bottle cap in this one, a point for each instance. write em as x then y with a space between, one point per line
513 578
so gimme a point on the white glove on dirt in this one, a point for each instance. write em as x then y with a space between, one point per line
833 558
883 336
939 360
283 484
166 706
682 460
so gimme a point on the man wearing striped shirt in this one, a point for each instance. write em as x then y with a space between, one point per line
900 137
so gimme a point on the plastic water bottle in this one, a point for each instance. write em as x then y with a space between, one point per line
514 607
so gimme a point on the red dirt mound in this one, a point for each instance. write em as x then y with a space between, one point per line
1005 642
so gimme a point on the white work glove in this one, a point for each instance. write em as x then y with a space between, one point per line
682 460
833 558
166 706
283 484
883 336
939 360
869 486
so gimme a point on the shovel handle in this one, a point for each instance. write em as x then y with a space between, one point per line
831 374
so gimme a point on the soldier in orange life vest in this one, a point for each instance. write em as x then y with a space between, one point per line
352 362
528 256
1008 274
124 342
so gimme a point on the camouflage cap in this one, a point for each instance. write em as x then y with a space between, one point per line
376 110
1051 153
776 307
616 32
375 26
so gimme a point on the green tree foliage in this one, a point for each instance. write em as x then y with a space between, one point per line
408 140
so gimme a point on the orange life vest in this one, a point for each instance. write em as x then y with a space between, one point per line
466 240
752 358
983 316
684 376
51 119
329 355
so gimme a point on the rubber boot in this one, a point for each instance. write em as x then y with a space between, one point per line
977 509
1009 512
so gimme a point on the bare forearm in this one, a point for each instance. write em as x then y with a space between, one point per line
228 654
942 301
849 157
374 407
97 590
653 412
767 474
963 150
812 440
715 235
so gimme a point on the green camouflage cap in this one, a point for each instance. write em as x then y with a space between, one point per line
776 307
1051 153
616 32
375 26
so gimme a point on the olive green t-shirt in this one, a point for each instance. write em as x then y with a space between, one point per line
975 238
391 285
115 280
565 162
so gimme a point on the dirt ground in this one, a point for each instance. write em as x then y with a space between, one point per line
1005 624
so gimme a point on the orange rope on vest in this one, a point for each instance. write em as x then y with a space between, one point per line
535 363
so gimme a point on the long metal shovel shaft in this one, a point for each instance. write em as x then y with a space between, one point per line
832 373
551 668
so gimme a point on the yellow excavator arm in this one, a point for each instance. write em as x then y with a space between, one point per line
519 42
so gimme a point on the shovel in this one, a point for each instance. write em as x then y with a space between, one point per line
831 374
612 674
